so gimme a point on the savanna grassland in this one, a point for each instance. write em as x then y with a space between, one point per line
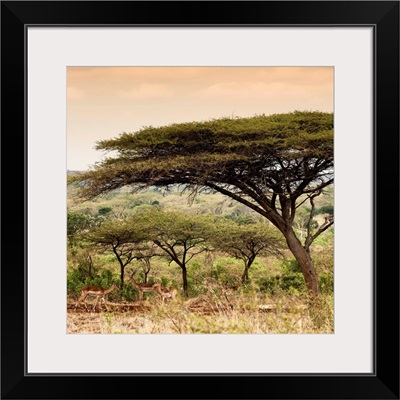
230 267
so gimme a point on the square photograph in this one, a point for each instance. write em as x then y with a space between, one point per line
200 200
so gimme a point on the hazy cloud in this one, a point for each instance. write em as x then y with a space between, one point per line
148 91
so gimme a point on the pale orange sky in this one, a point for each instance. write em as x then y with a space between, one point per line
103 102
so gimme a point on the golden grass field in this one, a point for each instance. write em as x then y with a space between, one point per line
213 313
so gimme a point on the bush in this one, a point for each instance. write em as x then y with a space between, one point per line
195 266
167 282
193 289
325 210
326 281
104 210
269 284
218 270
290 266
241 219
78 277
292 280
289 280
128 293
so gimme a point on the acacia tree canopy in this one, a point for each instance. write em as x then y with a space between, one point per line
180 236
267 163
247 241
118 236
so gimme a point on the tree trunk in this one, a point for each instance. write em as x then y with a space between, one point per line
184 279
245 275
303 258
90 262
121 265
147 269
122 276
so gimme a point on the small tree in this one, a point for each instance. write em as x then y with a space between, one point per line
123 237
180 236
144 253
77 222
247 241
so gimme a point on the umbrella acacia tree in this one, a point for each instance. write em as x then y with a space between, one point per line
122 237
180 236
246 242
144 254
271 164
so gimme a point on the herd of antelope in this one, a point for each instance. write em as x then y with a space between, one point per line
100 293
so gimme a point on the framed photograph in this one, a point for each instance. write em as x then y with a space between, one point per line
209 206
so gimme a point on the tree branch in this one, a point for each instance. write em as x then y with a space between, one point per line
328 222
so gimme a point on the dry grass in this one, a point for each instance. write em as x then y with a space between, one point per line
218 312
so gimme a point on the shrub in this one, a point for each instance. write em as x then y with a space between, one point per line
128 293
290 266
326 281
292 280
325 210
269 284
104 210
78 277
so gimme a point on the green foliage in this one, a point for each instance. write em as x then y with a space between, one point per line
180 236
241 219
116 232
224 266
289 279
324 258
194 289
77 278
289 282
104 210
290 266
326 239
326 282
128 292
195 266
191 153
167 281
246 241
328 209
135 203
293 280
77 222
226 134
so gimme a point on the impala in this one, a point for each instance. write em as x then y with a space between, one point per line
96 291
165 293
143 287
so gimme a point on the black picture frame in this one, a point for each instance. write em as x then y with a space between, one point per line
383 383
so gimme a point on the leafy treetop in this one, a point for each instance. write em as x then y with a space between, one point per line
263 158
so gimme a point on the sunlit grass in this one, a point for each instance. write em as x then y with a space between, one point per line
217 312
